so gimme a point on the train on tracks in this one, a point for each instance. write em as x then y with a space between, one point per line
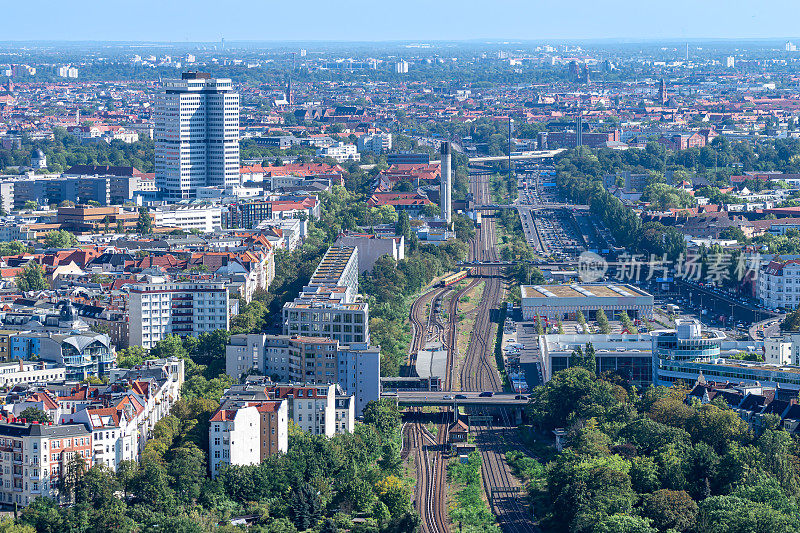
454 278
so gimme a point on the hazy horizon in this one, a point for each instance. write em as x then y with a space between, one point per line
203 21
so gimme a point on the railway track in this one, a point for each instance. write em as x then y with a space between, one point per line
430 470
479 374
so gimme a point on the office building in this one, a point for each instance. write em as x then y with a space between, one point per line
87 219
340 152
179 308
54 190
196 135
205 218
408 158
82 354
247 215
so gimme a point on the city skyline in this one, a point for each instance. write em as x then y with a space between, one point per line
413 20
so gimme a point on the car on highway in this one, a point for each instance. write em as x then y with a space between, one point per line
461 396
486 394
520 397
448 397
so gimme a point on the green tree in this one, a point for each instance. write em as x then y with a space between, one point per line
34 414
403 226
131 356
71 476
305 507
30 205
602 322
60 239
670 509
13 248
623 523
384 415
169 346
31 278
144 225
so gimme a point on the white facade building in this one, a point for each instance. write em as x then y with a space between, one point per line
779 284
180 308
205 218
380 143
341 152
196 135
233 438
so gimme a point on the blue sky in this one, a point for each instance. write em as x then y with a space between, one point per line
381 20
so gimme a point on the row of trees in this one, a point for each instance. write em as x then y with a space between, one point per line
579 180
655 462
319 485
66 150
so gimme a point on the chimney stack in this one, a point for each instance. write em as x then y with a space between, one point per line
446 187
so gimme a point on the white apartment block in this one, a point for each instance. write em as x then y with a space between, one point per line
341 152
311 407
379 143
345 414
196 135
231 435
188 217
779 284
373 247
180 308
233 438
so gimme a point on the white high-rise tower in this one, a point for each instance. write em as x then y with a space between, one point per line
446 184
196 135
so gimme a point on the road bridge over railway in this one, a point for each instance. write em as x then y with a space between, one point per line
448 399
528 207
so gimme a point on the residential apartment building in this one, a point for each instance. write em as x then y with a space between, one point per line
779 284
354 367
322 312
180 308
233 438
338 268
196 135
33 457
372 247
244 432
327 306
